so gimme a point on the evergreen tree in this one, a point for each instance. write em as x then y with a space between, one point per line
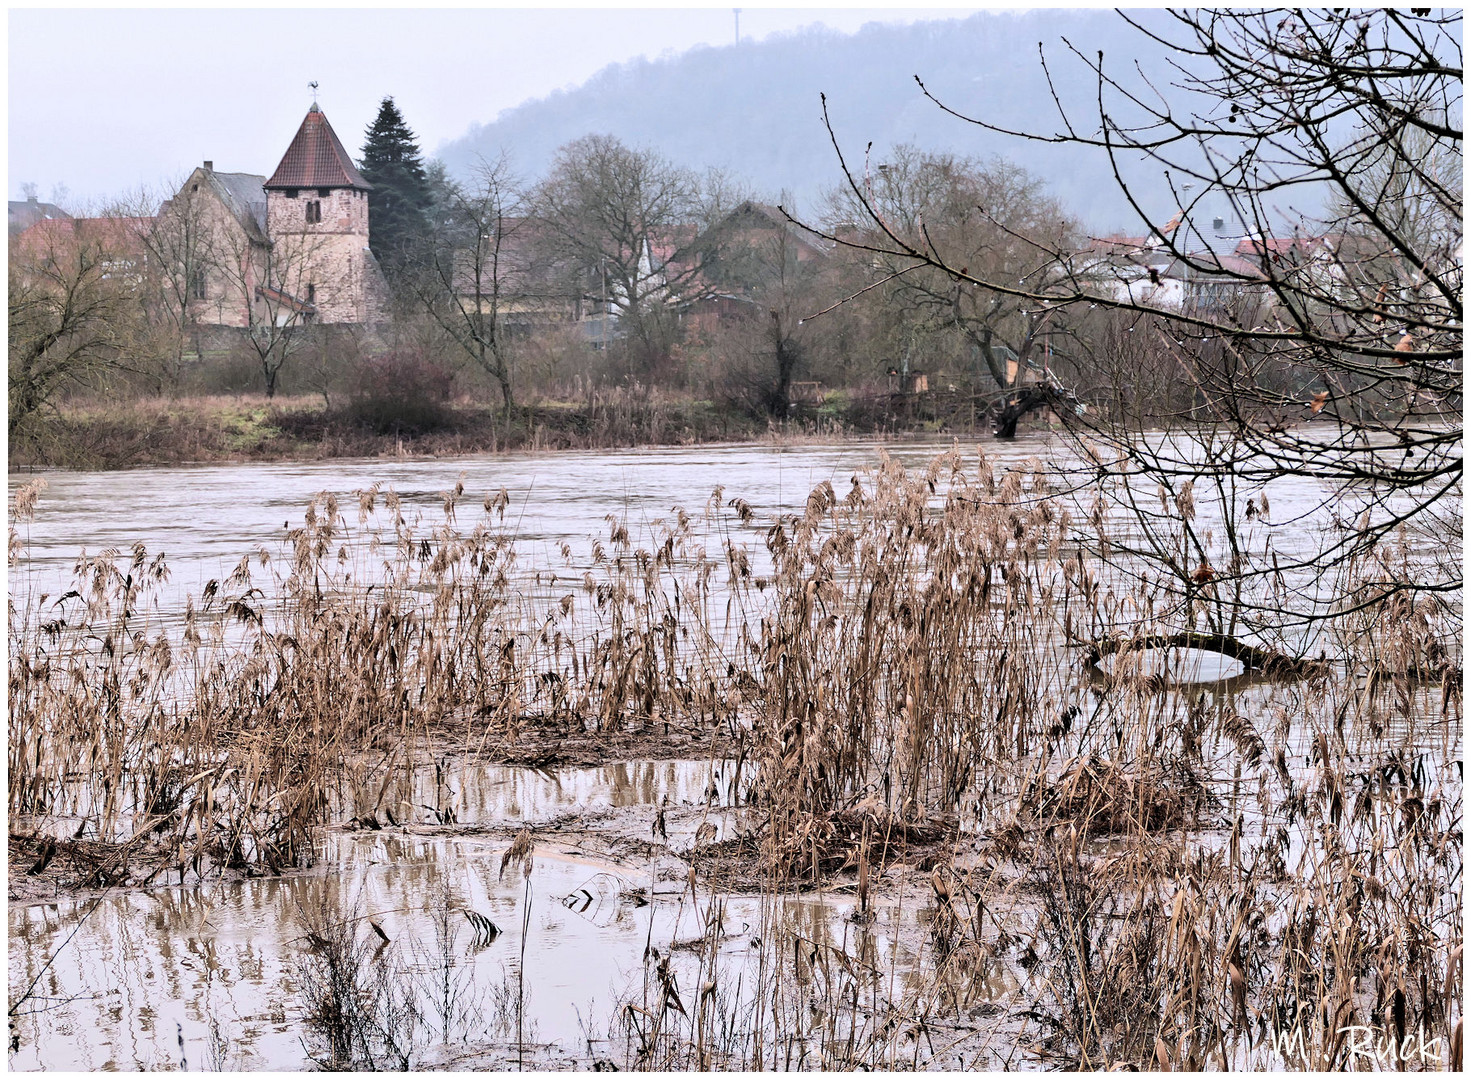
400 195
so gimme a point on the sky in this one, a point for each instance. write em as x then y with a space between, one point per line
103 103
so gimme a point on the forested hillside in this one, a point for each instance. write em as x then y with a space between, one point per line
754 109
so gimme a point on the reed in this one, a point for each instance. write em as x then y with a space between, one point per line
1178 876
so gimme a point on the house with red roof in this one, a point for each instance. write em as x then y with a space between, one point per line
117 242
288 249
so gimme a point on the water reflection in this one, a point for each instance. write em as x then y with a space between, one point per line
219 963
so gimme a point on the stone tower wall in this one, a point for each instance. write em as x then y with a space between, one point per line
325 258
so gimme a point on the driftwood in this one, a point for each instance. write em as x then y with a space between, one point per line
1267 661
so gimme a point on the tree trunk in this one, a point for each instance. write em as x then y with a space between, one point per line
786 363
508 400
997 372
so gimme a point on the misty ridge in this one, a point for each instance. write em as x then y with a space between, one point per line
754 111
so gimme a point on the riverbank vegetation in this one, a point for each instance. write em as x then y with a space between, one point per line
973 679
249 427
928 291
1171 871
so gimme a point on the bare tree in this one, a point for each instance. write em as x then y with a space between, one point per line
990 217
70 303
622 225
769 274
273 285
1334 137
175 236
474 268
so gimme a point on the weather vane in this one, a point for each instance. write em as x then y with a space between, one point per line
313 85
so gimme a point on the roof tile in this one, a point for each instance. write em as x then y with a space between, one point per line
316 159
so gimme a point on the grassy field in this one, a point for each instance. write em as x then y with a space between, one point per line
122 434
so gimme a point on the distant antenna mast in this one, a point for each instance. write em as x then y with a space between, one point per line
313 85
737 12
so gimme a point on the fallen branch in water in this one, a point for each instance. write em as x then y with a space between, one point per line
1253 657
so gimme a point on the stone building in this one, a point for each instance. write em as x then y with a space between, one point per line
290 250
317 219
210 245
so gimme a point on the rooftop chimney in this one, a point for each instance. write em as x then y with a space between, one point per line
209 166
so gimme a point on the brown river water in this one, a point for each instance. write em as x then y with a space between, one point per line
208 974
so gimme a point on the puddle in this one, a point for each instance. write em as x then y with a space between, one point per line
501 794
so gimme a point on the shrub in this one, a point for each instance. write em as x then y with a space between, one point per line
401 393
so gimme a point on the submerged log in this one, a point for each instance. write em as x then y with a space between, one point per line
1253 657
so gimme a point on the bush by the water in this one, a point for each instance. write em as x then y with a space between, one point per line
401 393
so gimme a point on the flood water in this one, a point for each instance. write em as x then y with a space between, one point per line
204 519
211 973
146 979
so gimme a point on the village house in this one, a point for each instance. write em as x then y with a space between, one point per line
115 245
706 277
738 251
242 250
290 249
1178 267
26 212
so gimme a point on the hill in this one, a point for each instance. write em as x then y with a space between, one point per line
753 109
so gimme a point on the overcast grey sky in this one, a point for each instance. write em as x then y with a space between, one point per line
104 101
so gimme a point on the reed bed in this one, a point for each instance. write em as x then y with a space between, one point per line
1176 876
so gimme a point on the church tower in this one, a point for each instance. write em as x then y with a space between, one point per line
317 219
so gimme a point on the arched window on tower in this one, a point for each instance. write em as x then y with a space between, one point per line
313 211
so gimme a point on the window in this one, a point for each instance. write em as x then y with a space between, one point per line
199 288
323 192
313 212
311 292
291 193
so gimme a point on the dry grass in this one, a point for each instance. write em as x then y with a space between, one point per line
1172 874
249 427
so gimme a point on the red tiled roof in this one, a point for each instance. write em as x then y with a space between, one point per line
1230 264
1278 245
316 159
114 236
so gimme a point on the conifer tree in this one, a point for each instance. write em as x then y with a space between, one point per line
400 194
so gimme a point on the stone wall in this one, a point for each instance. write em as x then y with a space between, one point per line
198 233
322 261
